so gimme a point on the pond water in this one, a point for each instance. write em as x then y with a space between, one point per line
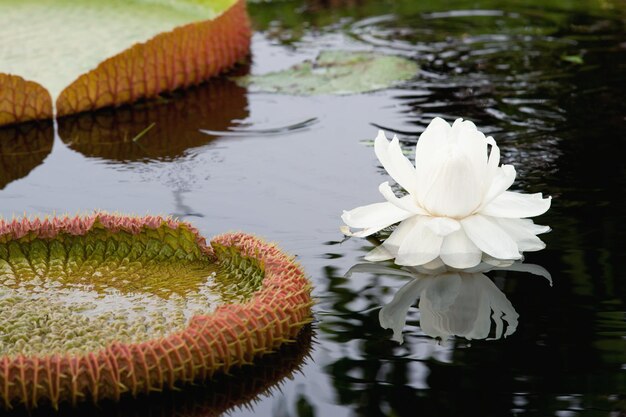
545 78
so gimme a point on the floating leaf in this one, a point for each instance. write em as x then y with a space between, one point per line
96 307
222 395
336 72
91 54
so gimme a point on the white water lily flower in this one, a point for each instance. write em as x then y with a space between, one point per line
457 210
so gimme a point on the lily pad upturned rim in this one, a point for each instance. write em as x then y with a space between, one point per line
184 56
233 335
223 394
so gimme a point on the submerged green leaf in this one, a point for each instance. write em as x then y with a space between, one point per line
336 72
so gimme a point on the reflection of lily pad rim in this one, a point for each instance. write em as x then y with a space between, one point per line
196 308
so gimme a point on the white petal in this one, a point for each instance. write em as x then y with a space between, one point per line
373 217
498 263
458 251
523 235
406 203
536 229
420 246
394 241
489 237
454 188
494 155
433 138
515 205
502 180
492 163
395 163
434 265
443 226
393 315
472 143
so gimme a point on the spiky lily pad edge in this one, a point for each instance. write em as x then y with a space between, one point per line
233 335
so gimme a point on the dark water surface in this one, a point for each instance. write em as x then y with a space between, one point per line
545 78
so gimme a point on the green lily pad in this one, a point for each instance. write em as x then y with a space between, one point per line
336 72
83 55
100 306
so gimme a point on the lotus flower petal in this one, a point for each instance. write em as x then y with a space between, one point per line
430 141
395 163
503 178
472 143
391 246
522 234
373 217
404 203
443 226
489 237
420 246
458 251
515 205
453 188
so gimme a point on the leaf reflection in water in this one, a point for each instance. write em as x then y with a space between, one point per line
452 302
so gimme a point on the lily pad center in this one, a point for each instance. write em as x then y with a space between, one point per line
74 294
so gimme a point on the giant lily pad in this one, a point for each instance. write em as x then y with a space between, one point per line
97 307
87 54
219 396
336 72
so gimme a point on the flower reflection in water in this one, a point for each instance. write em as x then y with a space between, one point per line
452 302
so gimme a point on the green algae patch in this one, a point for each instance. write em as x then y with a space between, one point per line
336 72
94 307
